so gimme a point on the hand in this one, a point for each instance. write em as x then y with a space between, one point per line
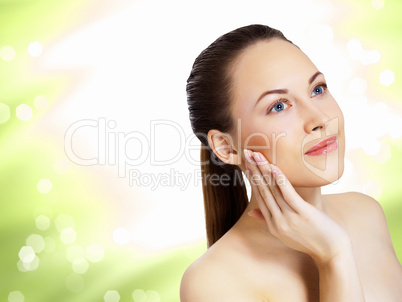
295 222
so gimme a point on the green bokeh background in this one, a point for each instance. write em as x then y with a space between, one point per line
27 156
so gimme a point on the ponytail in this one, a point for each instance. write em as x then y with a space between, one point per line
209 98
225 198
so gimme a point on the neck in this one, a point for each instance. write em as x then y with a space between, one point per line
311 195
253 226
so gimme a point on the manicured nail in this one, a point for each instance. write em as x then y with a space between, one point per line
247 154
274 170
257 157
250 156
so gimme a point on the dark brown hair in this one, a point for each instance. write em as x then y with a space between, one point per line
209 102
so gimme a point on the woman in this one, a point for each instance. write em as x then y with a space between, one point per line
259 105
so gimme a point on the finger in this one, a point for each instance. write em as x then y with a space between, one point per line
260 186
260 199
288 192
257 213
276 192
266 171
264 167
255 182
263 211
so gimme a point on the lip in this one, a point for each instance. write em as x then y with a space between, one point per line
323 147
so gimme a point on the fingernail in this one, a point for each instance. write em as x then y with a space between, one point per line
247 155
249 213
250 156
257 157
274 170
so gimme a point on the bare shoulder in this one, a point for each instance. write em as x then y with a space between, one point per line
234 269
363 217
359 214
209 279
353 198
356 208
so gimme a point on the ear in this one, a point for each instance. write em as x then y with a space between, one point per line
223 145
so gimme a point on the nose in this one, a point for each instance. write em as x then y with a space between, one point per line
315 119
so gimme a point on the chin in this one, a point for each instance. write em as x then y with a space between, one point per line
330 175
318 172
310 177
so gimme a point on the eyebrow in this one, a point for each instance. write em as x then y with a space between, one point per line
284 91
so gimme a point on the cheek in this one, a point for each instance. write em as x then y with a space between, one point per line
280 149
337 123
256 141
334 111
286 149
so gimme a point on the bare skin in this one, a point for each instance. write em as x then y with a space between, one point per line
249 264
299 245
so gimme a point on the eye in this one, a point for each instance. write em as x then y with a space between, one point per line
319 89
278 106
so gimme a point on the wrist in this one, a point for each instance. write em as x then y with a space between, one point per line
339 278
344 257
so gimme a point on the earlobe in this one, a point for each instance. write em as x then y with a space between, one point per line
222 145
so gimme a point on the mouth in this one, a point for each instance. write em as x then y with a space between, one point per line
323 147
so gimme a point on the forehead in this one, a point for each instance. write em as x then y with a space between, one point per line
272 64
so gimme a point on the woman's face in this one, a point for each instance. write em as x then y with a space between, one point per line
282 108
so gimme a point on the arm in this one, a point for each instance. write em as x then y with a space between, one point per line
385 269
339 279
303 227
389 265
